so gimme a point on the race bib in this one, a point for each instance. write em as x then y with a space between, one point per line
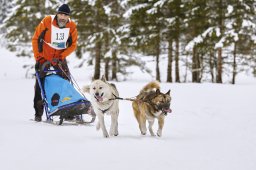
59 37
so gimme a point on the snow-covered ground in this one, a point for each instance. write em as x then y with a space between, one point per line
212 127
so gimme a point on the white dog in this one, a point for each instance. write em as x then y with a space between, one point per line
102 95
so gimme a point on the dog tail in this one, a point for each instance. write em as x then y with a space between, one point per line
86 89
154 85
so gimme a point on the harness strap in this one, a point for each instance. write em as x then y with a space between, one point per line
120 98
104 111
64 72
156 107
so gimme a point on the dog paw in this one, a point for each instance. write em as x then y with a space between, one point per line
143 133
113 133
159 133
152 134
105 135
116 133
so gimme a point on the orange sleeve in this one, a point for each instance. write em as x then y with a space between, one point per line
39 29
72 48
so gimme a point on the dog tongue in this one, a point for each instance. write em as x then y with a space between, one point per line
99 98
168 110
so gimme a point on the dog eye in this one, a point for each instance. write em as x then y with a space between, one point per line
94 88
100 88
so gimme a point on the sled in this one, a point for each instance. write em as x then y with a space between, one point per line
63 98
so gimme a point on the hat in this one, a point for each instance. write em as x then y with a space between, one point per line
64 9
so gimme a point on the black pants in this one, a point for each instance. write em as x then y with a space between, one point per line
63 72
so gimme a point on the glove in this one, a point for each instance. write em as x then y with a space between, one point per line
40 59
37 66
39 70
56 61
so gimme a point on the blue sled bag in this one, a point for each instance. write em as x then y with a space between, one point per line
60 93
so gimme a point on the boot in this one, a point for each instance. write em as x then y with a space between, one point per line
38 118
39 111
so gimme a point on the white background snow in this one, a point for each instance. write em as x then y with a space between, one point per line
212 127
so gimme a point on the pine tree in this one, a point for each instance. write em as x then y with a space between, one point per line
91 24
5 10
197 23
240 29
174 15
177 38
208 37
82 13
22 23
147 23
168 35
113 36
100 32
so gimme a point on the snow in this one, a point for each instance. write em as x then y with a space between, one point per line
38 15
218 33
220 43
123 3
152 11
230 9
160 3
92 2
247 23
200 38
125 28
107 10
212 127
129 12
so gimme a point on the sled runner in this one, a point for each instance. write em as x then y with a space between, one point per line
61 98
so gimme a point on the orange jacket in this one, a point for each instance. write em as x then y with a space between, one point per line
48 53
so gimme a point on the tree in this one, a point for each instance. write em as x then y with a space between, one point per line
197 22
5 9
92 21
21 24
147 23
240 30
207 35
113 36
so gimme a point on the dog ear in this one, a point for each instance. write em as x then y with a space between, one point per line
103 78
86 88
168 92
158 91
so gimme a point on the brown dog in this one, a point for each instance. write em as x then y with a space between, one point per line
149 105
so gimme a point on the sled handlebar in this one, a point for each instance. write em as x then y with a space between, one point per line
51 70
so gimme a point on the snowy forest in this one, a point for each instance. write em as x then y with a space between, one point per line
209 39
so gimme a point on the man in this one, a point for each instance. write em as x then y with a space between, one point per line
54 39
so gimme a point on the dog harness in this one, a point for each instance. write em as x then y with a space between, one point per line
104 111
